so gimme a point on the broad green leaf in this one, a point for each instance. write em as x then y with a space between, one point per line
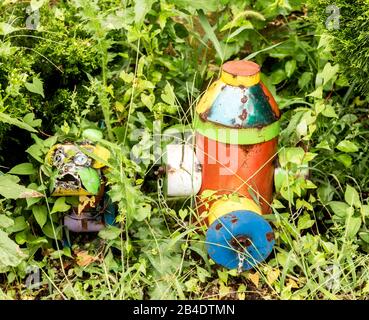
325 193
223 275
347 146
202 274
302 128
19 225
148 100
317 93
35 187
36 152
29 118
206 5
60 205
352 197
310 185
109 233
339 208
280 178
143 212
49 232
90 179
13 121
40 214
305 222
364 236
290 67
168 96
278 76
92 134
127 77
241 20
293 155
10 189
207 194
323 145
5 222
10 253
327 74
36 86
305 79
329 112
353 225
23 169
21 237
345 159
365 210
141 8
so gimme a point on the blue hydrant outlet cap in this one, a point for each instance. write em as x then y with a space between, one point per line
240 234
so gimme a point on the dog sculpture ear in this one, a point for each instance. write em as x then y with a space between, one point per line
103 154
50 154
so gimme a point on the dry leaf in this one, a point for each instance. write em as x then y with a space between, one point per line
292 284
254 278
84 201
223 290
273 275
84 259
31 194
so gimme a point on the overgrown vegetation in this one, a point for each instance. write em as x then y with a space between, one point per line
132 68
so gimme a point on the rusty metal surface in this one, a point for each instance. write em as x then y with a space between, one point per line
244 163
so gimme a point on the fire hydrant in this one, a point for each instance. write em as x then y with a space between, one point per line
231 168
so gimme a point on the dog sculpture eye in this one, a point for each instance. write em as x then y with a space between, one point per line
80 159
58 158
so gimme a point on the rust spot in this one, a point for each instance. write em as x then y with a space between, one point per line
246 148
204 115
241 86
234 220
218 226
243 115
237 126
270 236
244 100
169 169
240 242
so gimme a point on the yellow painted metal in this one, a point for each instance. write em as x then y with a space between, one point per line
209 96
49 155
99 151
60 192
236 81
222 207
103 154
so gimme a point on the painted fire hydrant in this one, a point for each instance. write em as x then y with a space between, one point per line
236 132
81 176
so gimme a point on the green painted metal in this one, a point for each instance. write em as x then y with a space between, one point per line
241 107
236 136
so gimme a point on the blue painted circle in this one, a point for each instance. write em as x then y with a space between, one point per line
237 224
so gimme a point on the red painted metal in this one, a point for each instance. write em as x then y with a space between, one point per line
253 164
